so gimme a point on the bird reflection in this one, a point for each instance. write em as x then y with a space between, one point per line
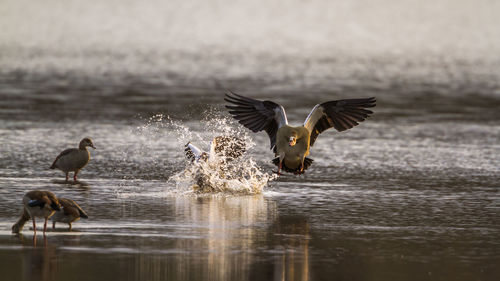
228 228
40 260
293 261
234 232
77 183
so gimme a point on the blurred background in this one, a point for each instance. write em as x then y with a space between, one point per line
295 44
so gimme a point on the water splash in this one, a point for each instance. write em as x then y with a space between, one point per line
218 174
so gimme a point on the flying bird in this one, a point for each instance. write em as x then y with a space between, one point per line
291 144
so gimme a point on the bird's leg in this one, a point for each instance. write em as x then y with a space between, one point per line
70 226
45 226
280 165
34 226
279 169
67 176
53 225
74 176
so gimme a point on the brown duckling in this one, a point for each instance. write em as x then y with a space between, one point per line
73 159
69 213
37 203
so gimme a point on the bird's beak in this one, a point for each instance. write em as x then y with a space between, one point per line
92 145
292 141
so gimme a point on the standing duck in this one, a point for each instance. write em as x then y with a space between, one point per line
37 203
73 159
291 144
70 212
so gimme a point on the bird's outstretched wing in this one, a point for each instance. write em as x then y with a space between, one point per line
257 115
339 114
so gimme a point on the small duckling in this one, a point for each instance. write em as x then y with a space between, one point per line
69 213
73 159
37 203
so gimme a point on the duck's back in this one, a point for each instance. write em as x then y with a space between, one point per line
37 205
68 212
72 159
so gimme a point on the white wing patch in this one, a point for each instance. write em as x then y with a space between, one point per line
196 151
313 117
280 116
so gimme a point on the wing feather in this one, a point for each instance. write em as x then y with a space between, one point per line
340 114
257 115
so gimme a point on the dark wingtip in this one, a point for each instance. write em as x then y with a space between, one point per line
372 101
229 93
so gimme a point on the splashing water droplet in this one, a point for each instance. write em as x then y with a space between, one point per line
228 169
220 173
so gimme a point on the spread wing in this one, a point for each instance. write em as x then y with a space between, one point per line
257 115
339 114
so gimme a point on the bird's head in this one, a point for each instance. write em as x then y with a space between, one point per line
87 142
293 139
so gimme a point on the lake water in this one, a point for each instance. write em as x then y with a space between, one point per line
412 193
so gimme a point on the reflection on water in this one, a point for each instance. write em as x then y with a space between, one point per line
293 263
223 239
40 261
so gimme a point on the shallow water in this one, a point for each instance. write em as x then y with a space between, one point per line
410 194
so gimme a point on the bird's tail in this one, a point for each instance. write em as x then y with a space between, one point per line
82 212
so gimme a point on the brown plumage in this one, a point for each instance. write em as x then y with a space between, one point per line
73 159
291 144
227 148
69 213
37 203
